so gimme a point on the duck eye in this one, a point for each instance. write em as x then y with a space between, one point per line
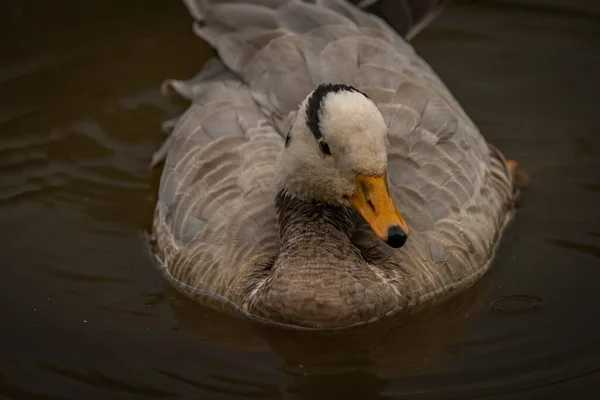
324 147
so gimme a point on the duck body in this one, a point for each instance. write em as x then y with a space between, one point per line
249 214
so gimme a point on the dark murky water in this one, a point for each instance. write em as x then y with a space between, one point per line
84 315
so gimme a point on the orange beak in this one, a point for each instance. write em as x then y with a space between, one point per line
374 202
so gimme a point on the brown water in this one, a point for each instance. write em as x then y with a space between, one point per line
84 314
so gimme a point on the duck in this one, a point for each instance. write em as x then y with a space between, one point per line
323 177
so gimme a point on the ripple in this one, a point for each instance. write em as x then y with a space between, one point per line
119 311
17 159
93 130
235 387
575 11
27 141
516 304
37 163
588 249
103 381
82 277
28 67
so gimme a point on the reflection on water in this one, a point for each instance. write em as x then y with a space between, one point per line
341 351
354 364
84 314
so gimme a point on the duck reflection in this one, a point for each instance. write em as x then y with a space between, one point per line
362 359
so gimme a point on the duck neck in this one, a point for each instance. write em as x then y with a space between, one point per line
314 232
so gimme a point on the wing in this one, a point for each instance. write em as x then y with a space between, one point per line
214 220
452 187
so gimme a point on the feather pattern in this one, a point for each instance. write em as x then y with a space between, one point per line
215 228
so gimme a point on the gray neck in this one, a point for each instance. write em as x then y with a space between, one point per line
315 232
319 277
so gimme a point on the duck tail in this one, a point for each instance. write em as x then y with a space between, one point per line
216 18
276 47
406 17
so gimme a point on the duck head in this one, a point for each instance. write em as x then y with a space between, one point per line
336 153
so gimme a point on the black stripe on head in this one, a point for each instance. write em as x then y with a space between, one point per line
315 103
288 138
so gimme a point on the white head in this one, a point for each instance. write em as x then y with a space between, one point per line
336 152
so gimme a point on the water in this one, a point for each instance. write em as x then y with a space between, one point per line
84 314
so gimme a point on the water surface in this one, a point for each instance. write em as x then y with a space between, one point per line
85 315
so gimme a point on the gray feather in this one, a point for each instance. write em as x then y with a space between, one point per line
215 223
